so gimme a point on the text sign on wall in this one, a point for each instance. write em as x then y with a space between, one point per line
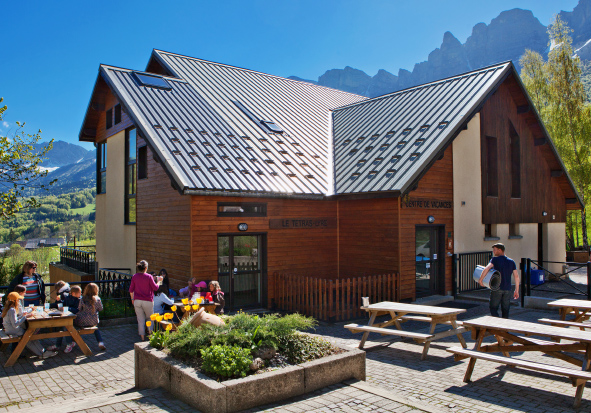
426 203
302 223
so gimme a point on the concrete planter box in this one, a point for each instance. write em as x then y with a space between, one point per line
153 368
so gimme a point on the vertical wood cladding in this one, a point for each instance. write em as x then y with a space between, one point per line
163 223
102 132
539 191
291 251
436 184
368 237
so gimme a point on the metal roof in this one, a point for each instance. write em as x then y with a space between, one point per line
385 143
199 127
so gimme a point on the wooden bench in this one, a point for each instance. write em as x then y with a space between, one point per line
7 338
165 323
426 319
578 377
357 328
561 323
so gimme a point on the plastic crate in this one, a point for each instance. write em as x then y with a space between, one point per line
537 277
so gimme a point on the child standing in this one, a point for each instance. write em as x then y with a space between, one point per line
87 316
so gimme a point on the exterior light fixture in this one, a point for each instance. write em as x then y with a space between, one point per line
544 213
431 219
243 227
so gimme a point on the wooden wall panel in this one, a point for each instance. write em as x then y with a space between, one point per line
101 131
163 223
539 191
436 184
368 237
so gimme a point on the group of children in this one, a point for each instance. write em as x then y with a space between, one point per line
85 306
202 288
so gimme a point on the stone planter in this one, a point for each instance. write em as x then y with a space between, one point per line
153 368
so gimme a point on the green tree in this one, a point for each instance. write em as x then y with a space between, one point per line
19 168
558 93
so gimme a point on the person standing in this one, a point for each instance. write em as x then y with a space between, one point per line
506 267
142 290
33 282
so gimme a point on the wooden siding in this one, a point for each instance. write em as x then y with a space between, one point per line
539 191
102 132
368 237
293 251
436 184
163 223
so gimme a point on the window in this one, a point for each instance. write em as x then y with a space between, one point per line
242 209
515 148
117 110
514 231
130 175
109 119
151 80
272 126
492 183
490 232
142 162
101 165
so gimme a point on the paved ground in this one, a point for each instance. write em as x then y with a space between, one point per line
397 381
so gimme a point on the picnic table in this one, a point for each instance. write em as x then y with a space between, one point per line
402 312
506 333
579 308
42 319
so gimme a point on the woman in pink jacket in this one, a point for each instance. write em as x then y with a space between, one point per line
142 290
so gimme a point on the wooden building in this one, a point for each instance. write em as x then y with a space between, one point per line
218 172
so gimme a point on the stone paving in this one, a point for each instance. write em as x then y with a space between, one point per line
397 380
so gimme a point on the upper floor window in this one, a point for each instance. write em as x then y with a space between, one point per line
101 164
242 209
130 175
515 153
492 177
109 119
142 162
117 114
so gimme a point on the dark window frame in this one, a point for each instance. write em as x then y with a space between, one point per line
515 161
117 114
492 166
142 162
262 213
133 163
109 119
101 167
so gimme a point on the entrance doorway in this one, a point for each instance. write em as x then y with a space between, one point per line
241 270
430 260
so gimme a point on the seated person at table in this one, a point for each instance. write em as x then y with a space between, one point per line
32 281
13 325
162 302
165 280
187 291
21 290
200 288
88 316
218 296
72 301
62 290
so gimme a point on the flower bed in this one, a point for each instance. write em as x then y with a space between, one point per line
247 362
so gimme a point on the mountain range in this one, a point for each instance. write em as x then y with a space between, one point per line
506 37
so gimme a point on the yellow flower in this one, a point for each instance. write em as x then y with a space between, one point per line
173 308
169 327
187 308
185 301
154 316
148 323
195 307
170 316
160 318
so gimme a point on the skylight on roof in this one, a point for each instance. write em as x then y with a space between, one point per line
150 80
272 126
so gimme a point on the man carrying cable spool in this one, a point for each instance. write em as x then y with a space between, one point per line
506 266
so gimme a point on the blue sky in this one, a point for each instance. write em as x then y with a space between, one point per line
51 51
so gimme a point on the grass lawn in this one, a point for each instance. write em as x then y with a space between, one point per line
83 211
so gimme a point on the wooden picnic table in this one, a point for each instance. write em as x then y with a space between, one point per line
400 313
579 308
37 320
506 333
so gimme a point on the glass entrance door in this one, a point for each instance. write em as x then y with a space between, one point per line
240 270
429 260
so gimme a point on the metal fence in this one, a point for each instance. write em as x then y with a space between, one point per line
80 258
463 269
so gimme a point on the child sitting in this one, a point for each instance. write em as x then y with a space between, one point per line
13 325
72 301
187 291
162 302
200 288
218 296
87 316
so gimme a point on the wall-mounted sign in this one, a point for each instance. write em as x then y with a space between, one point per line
302 223
242 227
408 202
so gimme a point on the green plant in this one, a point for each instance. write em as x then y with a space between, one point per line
226 361
299 348
187 341
158 339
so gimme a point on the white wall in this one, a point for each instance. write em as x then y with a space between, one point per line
468 226
115 241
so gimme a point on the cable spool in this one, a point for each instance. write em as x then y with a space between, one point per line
492 280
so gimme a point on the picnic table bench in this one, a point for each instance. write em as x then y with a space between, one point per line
580 309
400 313
560 323
505 332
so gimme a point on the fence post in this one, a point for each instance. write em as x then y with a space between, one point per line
528 277
454 278
522 267
588 280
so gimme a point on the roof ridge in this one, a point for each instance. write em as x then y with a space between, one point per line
258 72
445 79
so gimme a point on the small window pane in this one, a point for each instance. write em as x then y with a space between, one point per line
142 167
131 145
153 81
131 212
109 118
245 209
117 114
103 182
131 179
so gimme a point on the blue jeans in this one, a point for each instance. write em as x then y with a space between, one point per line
97 335
502 298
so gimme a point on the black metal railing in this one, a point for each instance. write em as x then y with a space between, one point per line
81 259
561 282
463 269
113 291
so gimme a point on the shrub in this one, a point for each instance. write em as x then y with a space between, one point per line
299 348
158 339
187 341
226 361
